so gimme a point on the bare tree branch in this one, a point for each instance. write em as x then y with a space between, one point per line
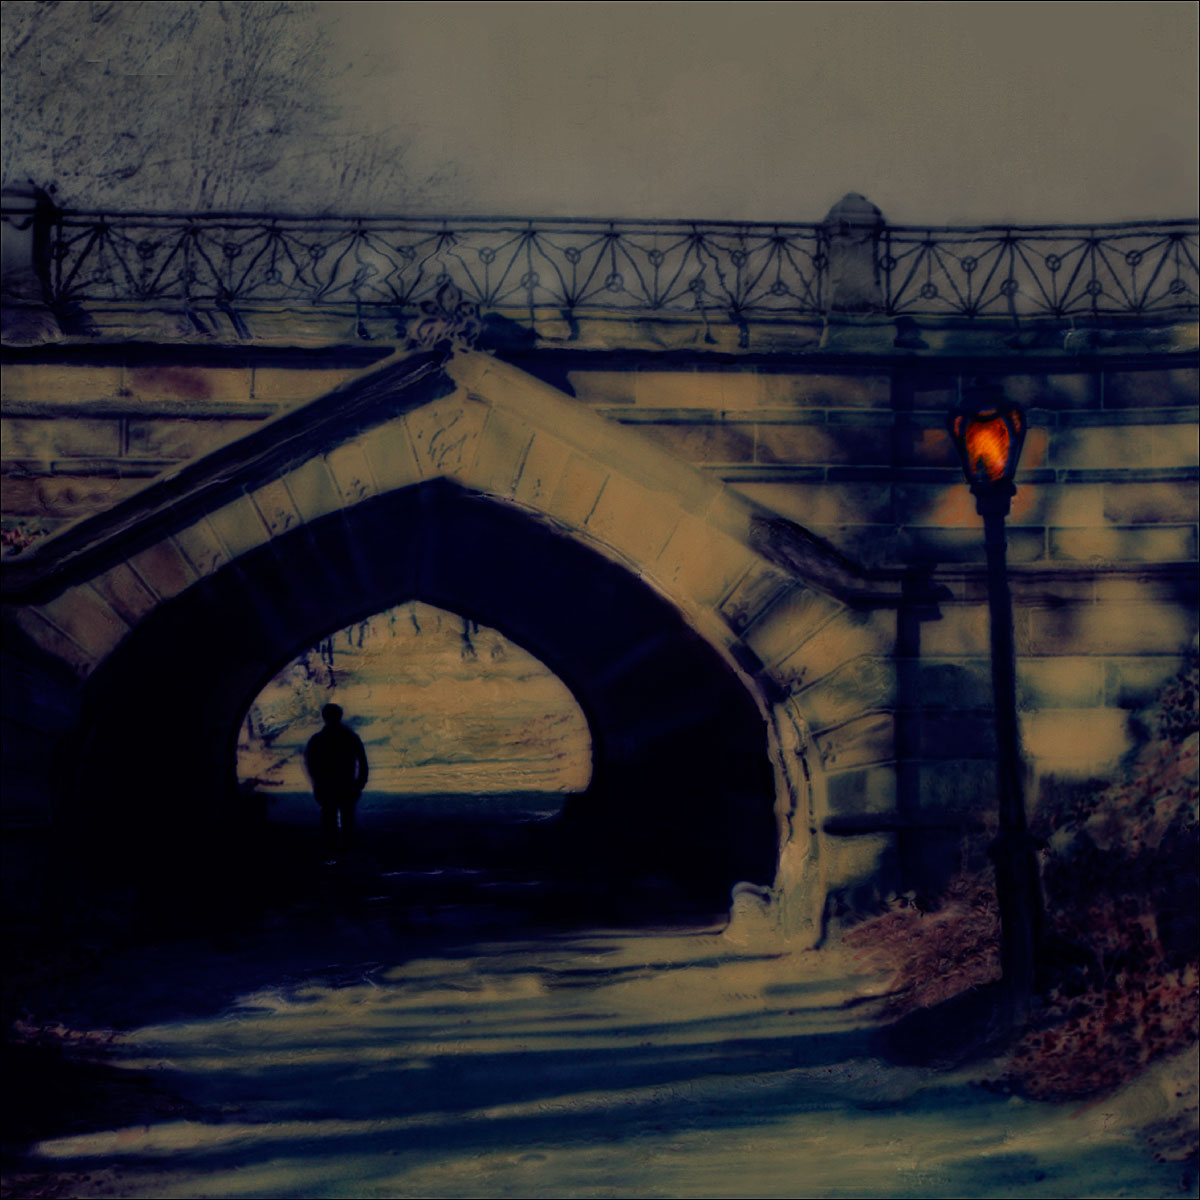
226 104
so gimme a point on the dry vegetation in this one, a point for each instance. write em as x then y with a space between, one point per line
1119 872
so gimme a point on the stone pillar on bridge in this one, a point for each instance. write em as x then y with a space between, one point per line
852 228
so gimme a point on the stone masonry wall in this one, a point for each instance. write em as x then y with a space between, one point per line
1103 535
1102 542
76 438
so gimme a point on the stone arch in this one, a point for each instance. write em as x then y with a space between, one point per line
681 776
739 596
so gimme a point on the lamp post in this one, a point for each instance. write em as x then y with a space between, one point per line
988 432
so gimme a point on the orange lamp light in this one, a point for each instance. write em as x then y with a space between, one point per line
988 432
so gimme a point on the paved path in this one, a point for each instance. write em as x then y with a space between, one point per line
301 1059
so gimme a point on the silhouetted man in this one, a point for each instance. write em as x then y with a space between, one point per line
337 766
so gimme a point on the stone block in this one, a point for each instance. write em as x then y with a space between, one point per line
577 490
678 389
291 387
848 636
124 593
1029 590
63 437
920 445
1148 503
541 471
789 623
1074 390
239 525
949 505
1132 683
866 545
276 507
850 389
202 548
867 740
1125 447
958 786
23 384
632 521
753 594
1035 453
852 689
444 434
348 466
960 632
66 496
1073 681
197 384
679 484
181 439
1147 588
810 504
1078 743
390 455
1031 503
929 734
1114 628
1133 543
503 446
604 388
53 640
860 870
822 444
700 563
740 391
715 443
929 545
1151 388
163 568
87 620
861 792
962 684
926 389
313 490
1074 504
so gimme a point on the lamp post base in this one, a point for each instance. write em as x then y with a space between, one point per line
1019 895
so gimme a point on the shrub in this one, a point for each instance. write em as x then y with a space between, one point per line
1121 886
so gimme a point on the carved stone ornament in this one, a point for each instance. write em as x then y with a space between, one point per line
448 319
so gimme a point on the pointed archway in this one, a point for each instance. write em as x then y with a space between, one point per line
674 610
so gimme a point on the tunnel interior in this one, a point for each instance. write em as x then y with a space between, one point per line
681 787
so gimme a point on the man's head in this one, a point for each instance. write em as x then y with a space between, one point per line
332 714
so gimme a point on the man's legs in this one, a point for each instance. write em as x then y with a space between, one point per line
346 809
329 827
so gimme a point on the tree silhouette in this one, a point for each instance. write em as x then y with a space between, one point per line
200 106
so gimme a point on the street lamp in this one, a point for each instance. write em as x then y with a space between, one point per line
988 432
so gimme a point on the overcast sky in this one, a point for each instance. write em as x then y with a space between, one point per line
939 113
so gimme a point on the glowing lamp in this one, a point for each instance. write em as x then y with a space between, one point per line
988 432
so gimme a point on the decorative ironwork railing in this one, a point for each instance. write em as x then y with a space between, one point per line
720 269
1042 271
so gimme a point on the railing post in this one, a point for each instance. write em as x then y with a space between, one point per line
28 248
852 231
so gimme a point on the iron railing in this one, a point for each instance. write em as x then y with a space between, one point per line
1040 271
739 270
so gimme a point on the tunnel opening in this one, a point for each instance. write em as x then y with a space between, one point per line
473 749
681 787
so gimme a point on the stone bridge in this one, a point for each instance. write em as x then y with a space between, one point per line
735 530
